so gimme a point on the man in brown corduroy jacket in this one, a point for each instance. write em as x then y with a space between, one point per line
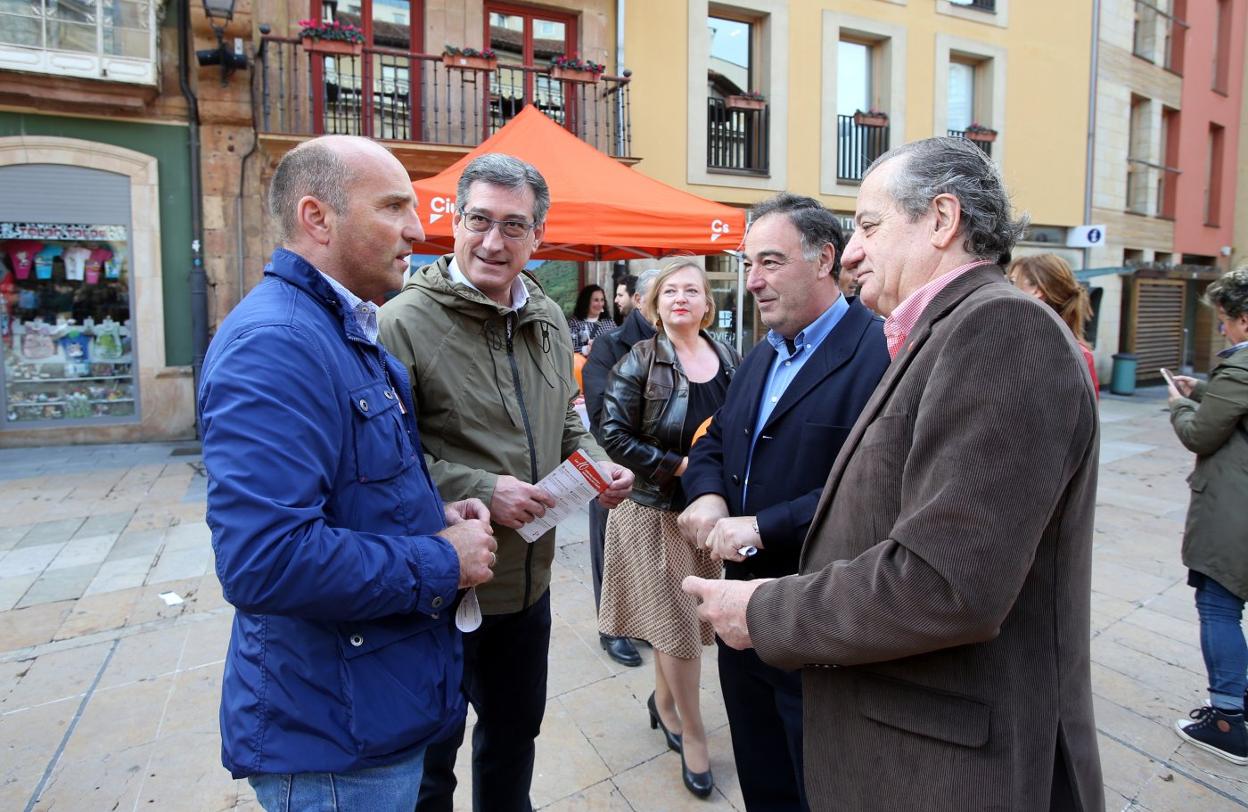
940 616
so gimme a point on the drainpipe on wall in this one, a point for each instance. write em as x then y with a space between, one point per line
619 36
1091 153
198 280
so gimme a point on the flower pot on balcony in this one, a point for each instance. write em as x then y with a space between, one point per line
871 119
460 62
332 46
983 136
744 103
569 75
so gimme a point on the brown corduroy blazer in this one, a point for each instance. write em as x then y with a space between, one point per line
941 613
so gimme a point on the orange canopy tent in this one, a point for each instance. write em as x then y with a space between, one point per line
600 209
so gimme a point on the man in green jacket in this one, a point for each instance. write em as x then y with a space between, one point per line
490 362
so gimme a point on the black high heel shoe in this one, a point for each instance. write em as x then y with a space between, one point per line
700 784
656 721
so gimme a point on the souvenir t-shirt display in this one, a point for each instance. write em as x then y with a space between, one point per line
22 256
43 260
95 262
76 263
67 336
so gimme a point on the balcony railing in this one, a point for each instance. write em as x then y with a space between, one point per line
989 6
737 140
394 95
1151 188
986 146
1158 33
857 145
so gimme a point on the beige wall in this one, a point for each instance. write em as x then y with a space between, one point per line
1041 101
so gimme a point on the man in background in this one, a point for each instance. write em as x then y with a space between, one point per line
604 355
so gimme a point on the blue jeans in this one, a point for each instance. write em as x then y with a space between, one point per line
392 787
1222 644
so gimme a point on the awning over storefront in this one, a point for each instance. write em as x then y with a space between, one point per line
600 209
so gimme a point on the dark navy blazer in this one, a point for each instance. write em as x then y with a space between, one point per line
797 445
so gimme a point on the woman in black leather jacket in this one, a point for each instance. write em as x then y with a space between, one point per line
656 399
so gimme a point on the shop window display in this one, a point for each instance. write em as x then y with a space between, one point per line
65 323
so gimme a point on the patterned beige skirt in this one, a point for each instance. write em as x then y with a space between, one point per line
645 560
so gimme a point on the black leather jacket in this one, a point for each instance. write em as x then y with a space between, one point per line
643 416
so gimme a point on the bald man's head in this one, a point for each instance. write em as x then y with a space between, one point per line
319 168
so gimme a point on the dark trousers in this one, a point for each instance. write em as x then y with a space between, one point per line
505 680
597 543
765 717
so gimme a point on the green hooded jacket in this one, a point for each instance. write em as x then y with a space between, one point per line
489 405
1214 542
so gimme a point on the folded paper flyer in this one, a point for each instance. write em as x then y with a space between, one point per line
577 480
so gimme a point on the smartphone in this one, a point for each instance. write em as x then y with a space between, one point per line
1165 373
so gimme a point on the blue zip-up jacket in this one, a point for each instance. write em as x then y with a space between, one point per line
343 654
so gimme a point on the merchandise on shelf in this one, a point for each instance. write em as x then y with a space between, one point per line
65 324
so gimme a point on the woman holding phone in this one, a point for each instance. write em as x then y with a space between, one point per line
1211 420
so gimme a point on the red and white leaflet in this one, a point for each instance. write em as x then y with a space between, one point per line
577 480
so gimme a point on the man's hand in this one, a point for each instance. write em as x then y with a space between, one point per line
621 485
456 512
515 503
723 605
699 518
474 543
730 535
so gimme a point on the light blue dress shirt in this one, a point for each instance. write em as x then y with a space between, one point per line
365 312
786 366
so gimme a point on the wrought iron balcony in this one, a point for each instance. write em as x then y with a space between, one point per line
394 95
737 140
857 145
982 142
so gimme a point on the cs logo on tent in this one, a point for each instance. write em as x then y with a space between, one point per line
440 207
718 229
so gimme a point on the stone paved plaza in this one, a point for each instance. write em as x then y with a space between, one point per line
108 693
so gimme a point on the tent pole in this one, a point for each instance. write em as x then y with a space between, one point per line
740 299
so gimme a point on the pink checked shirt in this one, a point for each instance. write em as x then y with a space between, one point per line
901 321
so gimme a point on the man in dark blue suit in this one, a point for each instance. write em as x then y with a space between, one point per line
754 480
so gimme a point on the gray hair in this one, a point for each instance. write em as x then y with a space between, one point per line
498 169
817 226
1230 292
644 280
955 166
312 169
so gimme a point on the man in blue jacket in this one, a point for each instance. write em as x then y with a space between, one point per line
754 480
340 559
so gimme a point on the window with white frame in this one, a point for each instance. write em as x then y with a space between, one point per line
969 91
98 39
862 111
961 98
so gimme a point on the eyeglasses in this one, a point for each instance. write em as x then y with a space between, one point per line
510 229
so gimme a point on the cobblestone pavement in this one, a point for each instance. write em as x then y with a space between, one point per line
108 693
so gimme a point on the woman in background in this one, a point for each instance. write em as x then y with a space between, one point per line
1211 420
589 319
1048 278
656 398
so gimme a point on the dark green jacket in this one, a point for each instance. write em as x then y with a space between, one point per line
480 397
1214 424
